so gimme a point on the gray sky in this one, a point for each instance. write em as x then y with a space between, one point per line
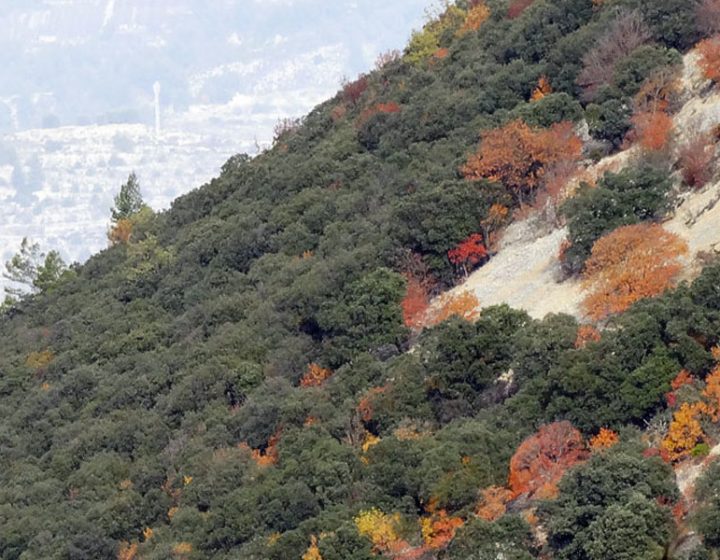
88 61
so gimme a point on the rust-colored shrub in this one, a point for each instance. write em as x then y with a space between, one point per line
439 529
469 253
365 406
415 303
517 7
652 130
681 379
541 460
353 91
709 50
386 108
695 158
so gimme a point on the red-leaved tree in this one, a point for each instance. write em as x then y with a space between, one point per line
469 253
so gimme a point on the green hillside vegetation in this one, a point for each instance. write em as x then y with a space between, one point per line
230 378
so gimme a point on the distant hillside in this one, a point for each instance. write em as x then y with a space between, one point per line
259 373
227 72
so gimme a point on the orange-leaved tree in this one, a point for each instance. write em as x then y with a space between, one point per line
519 156
377 109
127 551
120 232
439 529
587 334
493 503
541 460
709 51
543 88
464 305
681 379
477 14
653 130
267 456
629 264
711 393
604 439
353 91
315 376
365 407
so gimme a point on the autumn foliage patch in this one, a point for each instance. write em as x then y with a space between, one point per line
469 253
695 158
415 303
315 376
543 88
517 7
519 156
353 91
629 264
476 16
709 51
653 130
541 460
464 305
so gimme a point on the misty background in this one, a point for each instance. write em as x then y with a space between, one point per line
78 107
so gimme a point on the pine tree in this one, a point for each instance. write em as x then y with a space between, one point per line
128 201
32 271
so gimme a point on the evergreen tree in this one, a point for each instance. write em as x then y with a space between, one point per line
32 271
128 201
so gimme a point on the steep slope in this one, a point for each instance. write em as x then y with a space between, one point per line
526 273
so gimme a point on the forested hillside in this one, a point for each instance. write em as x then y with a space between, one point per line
258 373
